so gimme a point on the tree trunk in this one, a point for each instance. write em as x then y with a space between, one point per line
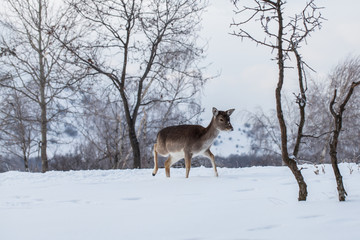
291 163
26 161
338 177
135 146
338 117
301 101
284 149
26 164
44 160
299 178
334 161
42 103
334 141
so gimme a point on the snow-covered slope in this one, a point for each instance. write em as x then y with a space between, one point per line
246 203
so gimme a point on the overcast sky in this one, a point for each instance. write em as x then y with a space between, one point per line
248 77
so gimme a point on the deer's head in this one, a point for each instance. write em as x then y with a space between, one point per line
222 119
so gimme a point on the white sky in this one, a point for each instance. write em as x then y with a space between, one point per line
248 76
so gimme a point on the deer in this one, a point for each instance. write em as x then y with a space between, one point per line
187 141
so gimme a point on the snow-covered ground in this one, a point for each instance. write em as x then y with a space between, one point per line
245 203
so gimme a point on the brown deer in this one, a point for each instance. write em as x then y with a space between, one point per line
187 141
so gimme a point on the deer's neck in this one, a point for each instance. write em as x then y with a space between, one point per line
211 132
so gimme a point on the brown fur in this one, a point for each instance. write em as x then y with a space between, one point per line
186 141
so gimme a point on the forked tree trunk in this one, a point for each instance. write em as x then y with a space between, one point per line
291 163
338 116
333 155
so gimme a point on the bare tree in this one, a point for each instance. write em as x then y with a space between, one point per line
284 38
100 122
34 60
320 125
264 133
348 75
137 45
17 125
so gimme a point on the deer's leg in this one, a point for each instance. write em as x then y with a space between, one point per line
187 163
167 166
173 158
209 155
156 167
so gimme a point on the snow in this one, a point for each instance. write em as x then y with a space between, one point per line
244 203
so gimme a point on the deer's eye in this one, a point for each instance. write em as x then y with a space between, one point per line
221 120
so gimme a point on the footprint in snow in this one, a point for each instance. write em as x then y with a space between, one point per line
266 227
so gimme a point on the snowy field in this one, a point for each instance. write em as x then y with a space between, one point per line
245 203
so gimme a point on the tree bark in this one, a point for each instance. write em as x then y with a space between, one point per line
334 162
26 164
135 146
26 161
44 159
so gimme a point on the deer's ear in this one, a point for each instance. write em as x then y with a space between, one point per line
230 111
215 111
